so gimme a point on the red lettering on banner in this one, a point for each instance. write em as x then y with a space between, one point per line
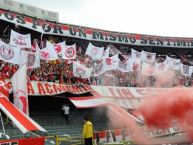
48 88
112 92
87 88
127 93
82 89
41 89
62 88
57 88
69 89
30 89
119 93
75 89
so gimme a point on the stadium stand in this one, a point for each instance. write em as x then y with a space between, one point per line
48 113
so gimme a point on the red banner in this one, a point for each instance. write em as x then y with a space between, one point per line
28 141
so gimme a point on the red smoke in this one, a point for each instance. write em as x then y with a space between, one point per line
119 119
174 104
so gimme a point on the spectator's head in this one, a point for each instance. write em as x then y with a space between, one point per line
86 118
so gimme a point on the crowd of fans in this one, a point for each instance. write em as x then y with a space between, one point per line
60 71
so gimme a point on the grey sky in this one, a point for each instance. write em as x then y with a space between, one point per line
157 17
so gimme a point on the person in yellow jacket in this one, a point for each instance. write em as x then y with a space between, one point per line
87 133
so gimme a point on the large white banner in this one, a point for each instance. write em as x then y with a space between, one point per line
93 34
20 95
19 40
9 53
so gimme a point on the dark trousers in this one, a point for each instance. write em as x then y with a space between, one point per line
88 141
66 117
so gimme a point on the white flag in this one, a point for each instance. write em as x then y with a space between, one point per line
31 59
123 66
48 53
161 66
184 69
173 63
106 52
59 47
19 84
114 50
134 64
99 68
81 71
190 71
148 56
37 57
135 54
112 63
27 57
17 39
9 53
69 52
96 53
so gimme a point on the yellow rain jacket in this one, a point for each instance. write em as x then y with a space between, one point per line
87 130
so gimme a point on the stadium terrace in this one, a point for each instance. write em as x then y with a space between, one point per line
54 28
